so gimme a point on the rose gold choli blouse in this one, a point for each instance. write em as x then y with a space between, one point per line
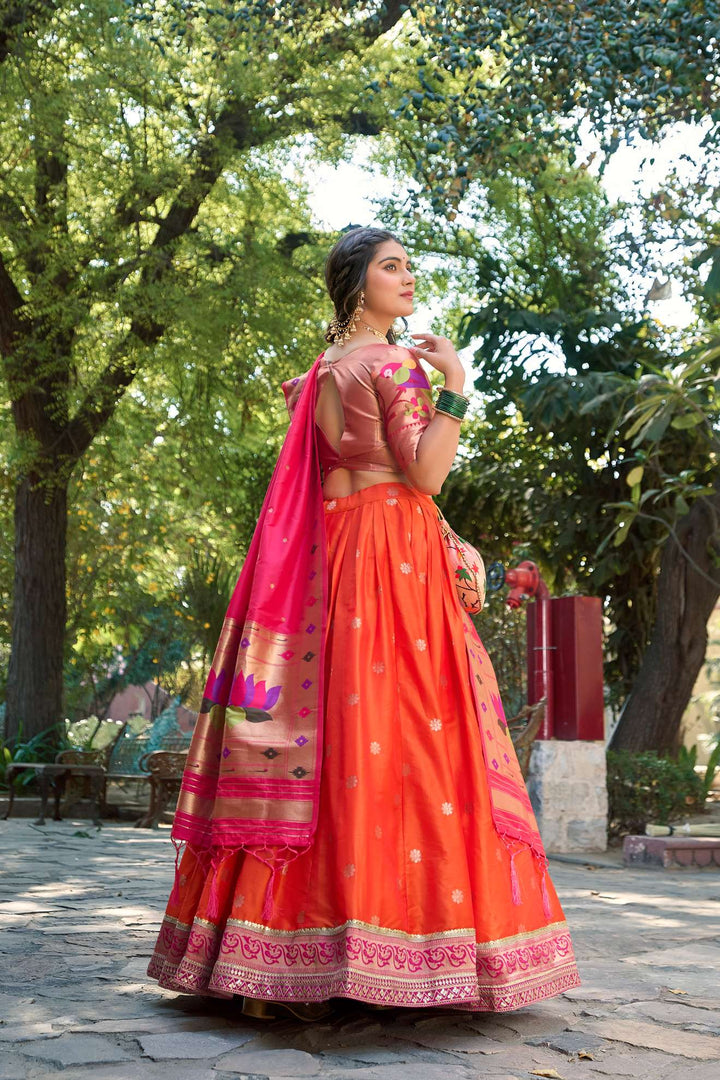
386 402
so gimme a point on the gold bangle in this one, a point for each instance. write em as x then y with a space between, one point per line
446 413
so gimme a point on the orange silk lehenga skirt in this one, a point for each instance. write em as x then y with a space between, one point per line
404 897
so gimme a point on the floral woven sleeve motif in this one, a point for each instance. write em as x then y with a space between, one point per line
405 402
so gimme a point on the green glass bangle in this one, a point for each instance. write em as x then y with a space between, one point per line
455 404
451 412
446 413
452 395
452 404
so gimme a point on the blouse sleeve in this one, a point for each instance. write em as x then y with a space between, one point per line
405 401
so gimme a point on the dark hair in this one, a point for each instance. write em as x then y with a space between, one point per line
346 268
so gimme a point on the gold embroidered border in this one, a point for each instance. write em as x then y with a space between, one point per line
351 924
357 924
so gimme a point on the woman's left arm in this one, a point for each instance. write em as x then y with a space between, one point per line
423 441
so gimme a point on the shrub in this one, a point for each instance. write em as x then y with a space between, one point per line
689 757
42 747
502 632
644 787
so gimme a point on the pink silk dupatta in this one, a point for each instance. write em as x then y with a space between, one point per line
252 777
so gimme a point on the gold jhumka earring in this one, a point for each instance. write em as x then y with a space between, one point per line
342 329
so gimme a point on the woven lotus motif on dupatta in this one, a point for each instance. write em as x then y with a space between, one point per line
252 777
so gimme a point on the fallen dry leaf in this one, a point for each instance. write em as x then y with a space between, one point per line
586 1055
551 1074
677 991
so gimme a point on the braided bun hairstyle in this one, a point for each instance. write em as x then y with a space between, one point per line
345 271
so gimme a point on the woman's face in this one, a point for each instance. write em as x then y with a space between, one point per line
389 282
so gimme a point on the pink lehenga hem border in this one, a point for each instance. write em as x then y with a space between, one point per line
368 964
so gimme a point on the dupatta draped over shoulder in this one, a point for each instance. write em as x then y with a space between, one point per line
252 776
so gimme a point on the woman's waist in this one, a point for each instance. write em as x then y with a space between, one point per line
389 490
344 482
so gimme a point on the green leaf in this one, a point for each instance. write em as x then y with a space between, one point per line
642 419
622 532
703 257
595 402
686 420
635 476
604 544
712 767
655 428
711 288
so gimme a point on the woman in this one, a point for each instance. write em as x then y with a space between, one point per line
355 818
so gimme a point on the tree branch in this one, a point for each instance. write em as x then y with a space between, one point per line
18 18
102 398
10 327
16 224
714 581
236 119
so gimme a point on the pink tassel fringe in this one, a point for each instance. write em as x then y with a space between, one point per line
213 908
514 882
268 905
545 896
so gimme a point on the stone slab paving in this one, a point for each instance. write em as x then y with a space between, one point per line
80 909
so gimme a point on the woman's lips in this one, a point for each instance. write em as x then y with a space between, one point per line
409 295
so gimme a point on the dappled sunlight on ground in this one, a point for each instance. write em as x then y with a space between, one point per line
80 909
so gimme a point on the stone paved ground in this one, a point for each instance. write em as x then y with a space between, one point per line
79 912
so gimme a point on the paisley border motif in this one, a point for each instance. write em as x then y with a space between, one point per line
375 965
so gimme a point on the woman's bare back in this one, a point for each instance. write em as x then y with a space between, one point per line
330 418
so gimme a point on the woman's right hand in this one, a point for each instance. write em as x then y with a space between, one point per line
440 353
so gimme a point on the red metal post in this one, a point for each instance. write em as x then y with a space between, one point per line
564 655
540 664
578 667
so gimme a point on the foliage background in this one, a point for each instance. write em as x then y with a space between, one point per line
478 120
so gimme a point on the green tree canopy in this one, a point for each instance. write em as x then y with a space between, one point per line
160 273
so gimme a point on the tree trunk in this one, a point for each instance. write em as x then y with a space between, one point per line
35 671
653 712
